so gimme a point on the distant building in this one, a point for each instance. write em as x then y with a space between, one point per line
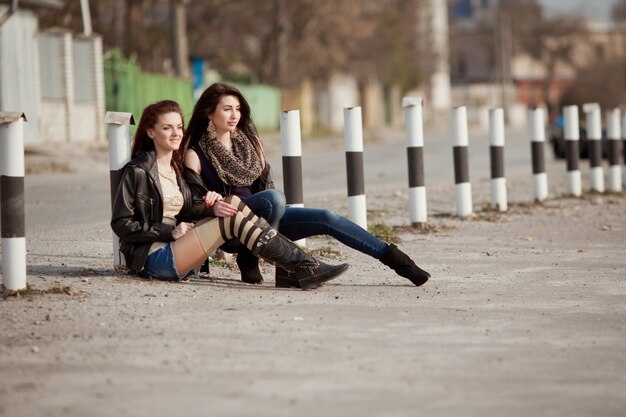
488 69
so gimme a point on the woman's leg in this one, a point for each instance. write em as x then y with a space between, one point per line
298 223
258 237
269 204
189 251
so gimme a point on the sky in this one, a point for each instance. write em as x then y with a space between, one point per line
596 9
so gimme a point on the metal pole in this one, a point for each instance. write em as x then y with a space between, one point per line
496 141
461 165
594 144
180 50
291 141
415 154
537 140
572 137
84 7
353 136
118 134
12 201
613 134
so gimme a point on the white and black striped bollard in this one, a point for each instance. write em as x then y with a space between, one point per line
291 142
496 140
461 164
118 134
594 144
12 200
572 149
613 135
537 140
353 135
624 149
413 119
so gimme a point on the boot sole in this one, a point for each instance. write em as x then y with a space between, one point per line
314 282
253 282
310 283
287 283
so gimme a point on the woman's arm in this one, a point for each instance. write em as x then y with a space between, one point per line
192 161
125 224
199 205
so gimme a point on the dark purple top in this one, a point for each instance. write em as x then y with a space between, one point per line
213 182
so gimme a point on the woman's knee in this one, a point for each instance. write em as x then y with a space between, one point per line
274 197
279 202
272 207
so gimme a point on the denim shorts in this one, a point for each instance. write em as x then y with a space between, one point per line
160 265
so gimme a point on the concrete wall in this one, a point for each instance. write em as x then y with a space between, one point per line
339 92
19 70
72 93
55 78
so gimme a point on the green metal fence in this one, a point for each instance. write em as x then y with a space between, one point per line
128 89
265 102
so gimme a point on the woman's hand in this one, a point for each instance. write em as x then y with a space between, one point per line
211 198
181 229
223 209
220 207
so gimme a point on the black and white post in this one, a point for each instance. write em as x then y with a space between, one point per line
613 135
461 163
118 134
12 201
414 123
624 149
291 141
537 140
572 138
594 145
496 149
353 135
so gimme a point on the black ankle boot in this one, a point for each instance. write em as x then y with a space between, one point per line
307 271
404 266
248 265
284 279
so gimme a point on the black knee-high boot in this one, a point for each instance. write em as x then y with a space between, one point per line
307 271
270 245
404 266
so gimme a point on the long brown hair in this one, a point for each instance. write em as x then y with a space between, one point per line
206 105
149 118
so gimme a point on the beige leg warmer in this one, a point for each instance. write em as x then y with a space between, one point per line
245 226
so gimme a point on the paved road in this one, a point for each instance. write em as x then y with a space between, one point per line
525 313
385 164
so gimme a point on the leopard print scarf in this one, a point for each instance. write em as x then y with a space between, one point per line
238 169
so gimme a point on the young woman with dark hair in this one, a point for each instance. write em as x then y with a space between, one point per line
224 153
154 210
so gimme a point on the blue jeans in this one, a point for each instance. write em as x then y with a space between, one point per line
300 222
160 265
269 204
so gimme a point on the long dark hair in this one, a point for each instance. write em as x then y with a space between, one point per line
207 103
149 118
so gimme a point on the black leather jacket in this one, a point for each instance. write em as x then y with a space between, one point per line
137 217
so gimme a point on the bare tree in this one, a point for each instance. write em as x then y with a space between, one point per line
618 11
278 42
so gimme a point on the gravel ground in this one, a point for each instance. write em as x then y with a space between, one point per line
525 314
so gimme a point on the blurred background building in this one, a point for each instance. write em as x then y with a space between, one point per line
64 62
